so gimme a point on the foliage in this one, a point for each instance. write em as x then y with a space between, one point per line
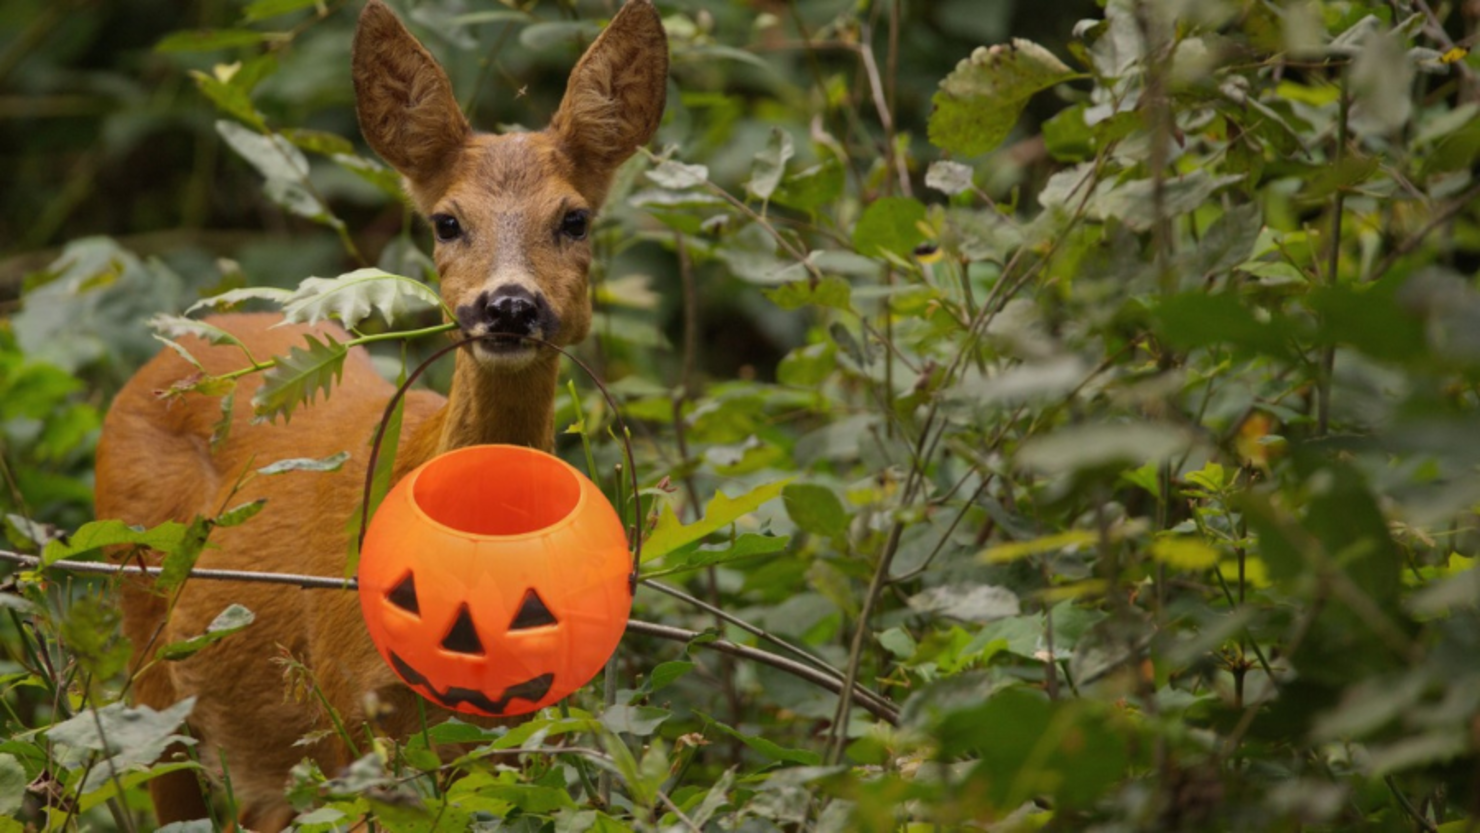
1105 400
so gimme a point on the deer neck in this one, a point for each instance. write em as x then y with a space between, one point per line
512 408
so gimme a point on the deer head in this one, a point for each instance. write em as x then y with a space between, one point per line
512 213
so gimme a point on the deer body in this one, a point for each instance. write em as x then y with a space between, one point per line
510 214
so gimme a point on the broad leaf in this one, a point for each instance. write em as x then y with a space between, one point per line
978 104
96 534
892 225
670 535
130 738
770 164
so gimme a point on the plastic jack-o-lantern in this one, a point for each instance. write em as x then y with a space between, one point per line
494 580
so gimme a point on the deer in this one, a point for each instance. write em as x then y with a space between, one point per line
511 215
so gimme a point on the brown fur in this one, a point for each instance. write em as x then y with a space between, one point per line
155 462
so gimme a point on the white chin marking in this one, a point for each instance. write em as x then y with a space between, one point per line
503 355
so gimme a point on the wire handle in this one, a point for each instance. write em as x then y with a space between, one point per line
635 541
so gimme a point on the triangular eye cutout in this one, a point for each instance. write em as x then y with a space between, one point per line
463 638
532 613
403 595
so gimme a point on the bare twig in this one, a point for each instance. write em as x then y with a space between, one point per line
876 705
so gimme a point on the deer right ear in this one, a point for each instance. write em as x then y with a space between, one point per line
405 103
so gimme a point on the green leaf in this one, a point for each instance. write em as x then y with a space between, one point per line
209 40
1028 745
768 748
264 9
178 326
813 188
334 462
298 377
949 177
13 782
1134 202
318 141
770 164
178 562
808 366
1081 447
130 738
816 509
670 535
892 225
233 297
678 176
635 720
1198 319
226 623
354 296
96 534
980 101
238 515
832 292
969 602
688 559
273 156
665 674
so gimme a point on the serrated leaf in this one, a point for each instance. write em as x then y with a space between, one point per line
298 377
232 297
678 176
978 104
670 535
770 164
321 464
106 533
226 623
353 296
178 326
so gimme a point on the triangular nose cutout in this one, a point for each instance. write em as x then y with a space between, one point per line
403 595
532 613
463 638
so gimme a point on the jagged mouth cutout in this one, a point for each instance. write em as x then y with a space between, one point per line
462 638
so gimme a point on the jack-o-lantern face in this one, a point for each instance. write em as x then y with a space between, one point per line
494 580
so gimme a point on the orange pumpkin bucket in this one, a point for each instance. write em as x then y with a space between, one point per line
494 580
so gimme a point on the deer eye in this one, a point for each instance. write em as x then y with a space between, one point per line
575 224
446 227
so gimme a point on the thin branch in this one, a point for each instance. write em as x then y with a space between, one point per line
876 705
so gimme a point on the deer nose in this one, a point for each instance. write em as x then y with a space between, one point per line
509 309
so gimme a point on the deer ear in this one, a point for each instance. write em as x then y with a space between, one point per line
614 99
405 103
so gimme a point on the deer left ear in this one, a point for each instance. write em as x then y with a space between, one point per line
615 97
